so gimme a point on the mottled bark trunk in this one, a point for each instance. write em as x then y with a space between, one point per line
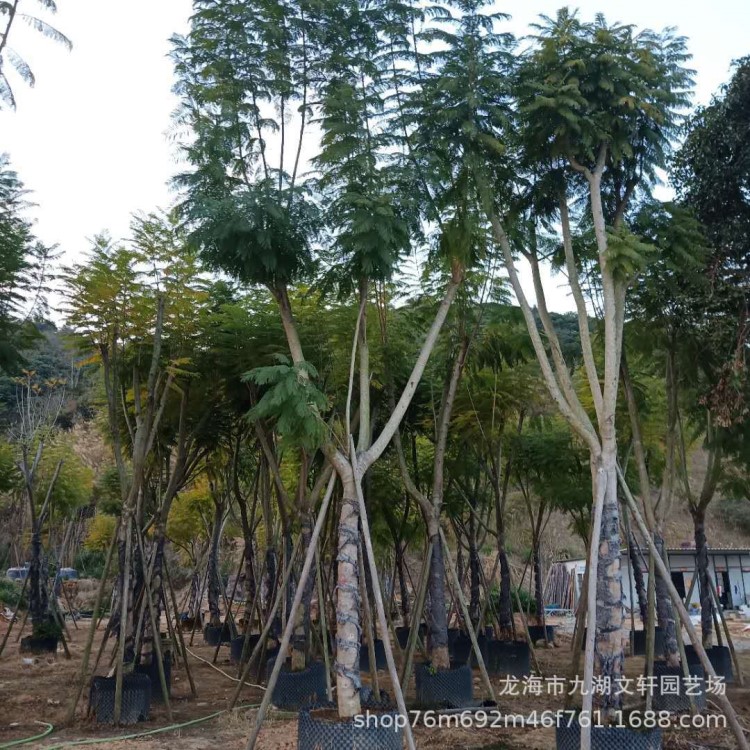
349 630
638 579
301 638
664 611
609 611
704 585
269 587
438 620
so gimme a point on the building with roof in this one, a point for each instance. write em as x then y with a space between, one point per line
729 567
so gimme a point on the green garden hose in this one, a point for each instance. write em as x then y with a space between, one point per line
134 735
25 740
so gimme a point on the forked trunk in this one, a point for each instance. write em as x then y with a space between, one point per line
348 628
704 585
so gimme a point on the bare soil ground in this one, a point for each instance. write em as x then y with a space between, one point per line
41 691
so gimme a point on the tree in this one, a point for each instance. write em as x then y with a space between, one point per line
598 106
10 13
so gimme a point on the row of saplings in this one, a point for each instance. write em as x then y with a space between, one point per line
302 681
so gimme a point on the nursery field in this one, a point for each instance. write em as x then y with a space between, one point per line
39 692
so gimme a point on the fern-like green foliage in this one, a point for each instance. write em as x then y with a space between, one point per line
291 400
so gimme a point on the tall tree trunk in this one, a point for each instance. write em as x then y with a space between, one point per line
438 619
250 584
701 561
610 613
37 585
348 630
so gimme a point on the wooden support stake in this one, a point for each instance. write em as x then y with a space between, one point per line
290 622
469 624
722 700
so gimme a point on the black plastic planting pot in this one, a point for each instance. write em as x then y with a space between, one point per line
568 737
238 644
214 635
673 693
364 656
639 642
39 644
720 658
508 658
152 671
444 688
462 649
536 633
402 634
136 698
319 729
296 690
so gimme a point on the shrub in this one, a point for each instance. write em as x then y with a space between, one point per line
10 593
90 563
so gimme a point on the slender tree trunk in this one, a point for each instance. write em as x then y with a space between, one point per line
401 568
37 585
640 584
347 602
438 620
538 593
704 585
475 605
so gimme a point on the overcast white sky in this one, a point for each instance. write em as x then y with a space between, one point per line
91 139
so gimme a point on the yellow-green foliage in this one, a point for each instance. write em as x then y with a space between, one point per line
187 516
100 532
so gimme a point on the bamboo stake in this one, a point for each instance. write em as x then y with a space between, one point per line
289 627
395 684
722 700
156 631
416 614
469 624
180 634
123 620
730 643
370 629
323 624
81 679
15 614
